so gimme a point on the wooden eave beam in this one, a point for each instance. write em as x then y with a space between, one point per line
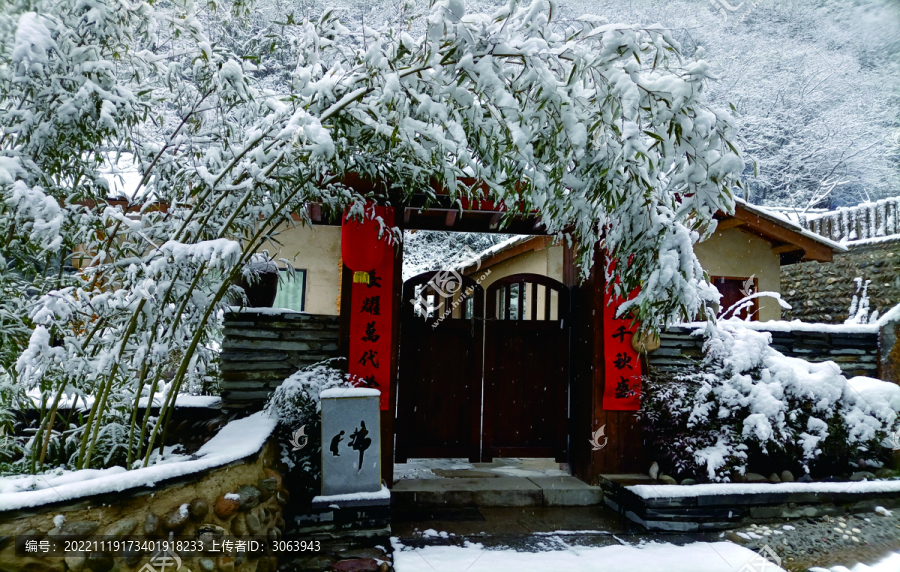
812 249
727 223
784 248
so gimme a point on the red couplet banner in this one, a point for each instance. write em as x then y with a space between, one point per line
370 324
622 365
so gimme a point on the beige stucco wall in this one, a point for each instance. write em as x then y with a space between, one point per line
546 262
316 249
732 252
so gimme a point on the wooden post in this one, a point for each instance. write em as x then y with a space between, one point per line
623 450
387 417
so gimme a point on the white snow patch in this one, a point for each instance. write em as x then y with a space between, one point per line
263 311
384 493
889 564
349 392
649 557
712 489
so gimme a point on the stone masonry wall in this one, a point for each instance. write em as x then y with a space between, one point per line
822 292
194 506
263 347
855 353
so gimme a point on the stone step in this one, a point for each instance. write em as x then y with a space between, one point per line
494 492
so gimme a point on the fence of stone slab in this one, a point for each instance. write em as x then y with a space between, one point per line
262 347
853 349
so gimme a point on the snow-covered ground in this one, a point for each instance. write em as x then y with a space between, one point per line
508 467
889 564
238 439
562 557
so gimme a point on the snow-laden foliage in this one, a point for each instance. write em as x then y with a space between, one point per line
747 407
604 129
297 405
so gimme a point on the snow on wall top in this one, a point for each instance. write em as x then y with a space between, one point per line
349 392
865 223
237 440
712 489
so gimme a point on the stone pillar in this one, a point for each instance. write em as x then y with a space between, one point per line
351 441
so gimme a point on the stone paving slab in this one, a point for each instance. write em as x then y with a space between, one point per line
501 491
567 491
465 474
512 521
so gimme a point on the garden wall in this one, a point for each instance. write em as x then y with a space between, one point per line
190 506
822 292
263 346
853 350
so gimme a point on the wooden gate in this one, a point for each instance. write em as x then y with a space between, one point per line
526 368
439 386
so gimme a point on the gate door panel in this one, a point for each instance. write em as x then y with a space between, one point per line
526 368
439 386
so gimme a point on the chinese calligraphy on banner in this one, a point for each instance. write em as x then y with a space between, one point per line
370 324
622 365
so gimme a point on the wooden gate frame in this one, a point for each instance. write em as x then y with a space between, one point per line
411 325
559 450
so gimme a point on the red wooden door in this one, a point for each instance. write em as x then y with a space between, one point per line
526 361
439 386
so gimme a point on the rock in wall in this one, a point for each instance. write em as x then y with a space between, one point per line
195 507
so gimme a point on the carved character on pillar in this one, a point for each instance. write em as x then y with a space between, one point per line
360 442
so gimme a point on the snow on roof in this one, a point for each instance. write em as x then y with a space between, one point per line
239 439
773 216
500 247
782 220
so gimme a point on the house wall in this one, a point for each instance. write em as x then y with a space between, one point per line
737 254
317 250
546 262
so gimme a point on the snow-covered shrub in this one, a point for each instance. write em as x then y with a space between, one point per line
296 405
747 407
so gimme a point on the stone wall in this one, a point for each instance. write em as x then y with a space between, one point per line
193 506
855 353
822 292
263 347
